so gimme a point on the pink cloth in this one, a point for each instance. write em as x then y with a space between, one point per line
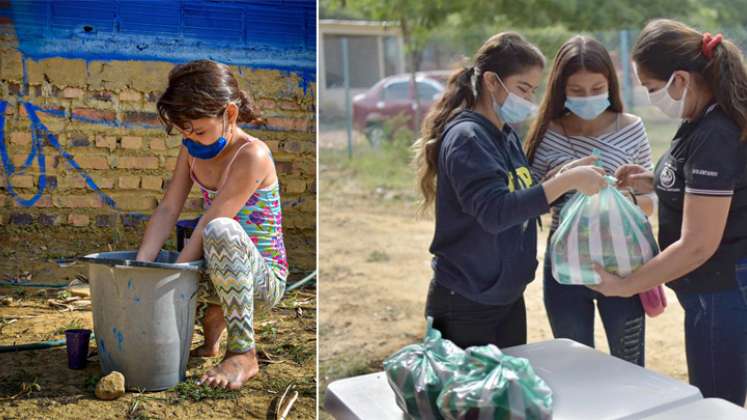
654 301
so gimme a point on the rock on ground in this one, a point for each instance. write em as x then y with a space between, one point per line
111 386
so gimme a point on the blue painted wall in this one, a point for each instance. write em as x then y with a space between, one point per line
271 34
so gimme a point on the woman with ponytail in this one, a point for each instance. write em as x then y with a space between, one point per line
701 184
239 236
472 168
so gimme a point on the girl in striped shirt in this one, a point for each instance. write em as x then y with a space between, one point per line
582 112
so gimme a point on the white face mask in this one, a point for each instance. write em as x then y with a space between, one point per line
664 101
514 109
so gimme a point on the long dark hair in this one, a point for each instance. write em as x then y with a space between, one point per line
505 54
203 89
577 54
665 46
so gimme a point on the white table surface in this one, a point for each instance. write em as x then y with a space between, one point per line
707 409
586 384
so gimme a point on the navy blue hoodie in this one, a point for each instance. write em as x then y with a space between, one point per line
487 205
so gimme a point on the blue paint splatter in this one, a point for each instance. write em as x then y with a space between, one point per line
40 135
129 283
136 299
119 336
106 358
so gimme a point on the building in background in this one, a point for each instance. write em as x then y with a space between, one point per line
375 51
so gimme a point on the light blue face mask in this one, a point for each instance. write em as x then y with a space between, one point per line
588 107
514 109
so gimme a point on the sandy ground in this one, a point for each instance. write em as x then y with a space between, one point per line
375 267
286 343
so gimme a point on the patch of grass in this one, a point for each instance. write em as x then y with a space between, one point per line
295 351
190 391
19 292
21 385
387 167
90 384
278 383
269 333
74 324
64 294
377 256
136 409
354 367
299 353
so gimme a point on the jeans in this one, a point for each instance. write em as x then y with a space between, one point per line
468 323
716 340
570 309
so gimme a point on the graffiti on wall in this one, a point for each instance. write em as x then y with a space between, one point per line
263 34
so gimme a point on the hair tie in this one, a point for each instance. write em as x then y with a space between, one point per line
710 43
473 80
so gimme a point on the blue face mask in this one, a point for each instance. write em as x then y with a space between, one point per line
588 107
205 152
515 109
201 151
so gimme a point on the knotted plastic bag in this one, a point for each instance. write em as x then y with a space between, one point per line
493 385
418 372
605 228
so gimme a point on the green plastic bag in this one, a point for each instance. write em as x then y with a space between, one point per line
605 228
417 373
493 385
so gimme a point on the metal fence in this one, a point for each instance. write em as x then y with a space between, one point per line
336 128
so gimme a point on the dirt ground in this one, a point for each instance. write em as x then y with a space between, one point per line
38 384
375 266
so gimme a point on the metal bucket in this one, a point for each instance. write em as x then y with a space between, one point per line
143 316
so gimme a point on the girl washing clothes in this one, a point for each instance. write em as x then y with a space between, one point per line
472 168
701 182
240 233
582 112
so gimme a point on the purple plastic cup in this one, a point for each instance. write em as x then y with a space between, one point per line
77 348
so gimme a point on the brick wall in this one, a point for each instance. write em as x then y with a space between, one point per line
103 114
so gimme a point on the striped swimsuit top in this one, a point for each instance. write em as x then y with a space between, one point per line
260 217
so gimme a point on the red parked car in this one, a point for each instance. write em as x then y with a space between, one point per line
395 95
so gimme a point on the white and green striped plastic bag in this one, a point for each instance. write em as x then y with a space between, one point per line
605 228
491 385
416 373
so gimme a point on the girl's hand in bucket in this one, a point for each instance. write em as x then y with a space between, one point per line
587 179
610 284
636 177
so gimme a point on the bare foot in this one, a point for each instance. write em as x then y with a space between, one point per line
233 371
213 326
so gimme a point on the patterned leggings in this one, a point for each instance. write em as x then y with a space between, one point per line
236 271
